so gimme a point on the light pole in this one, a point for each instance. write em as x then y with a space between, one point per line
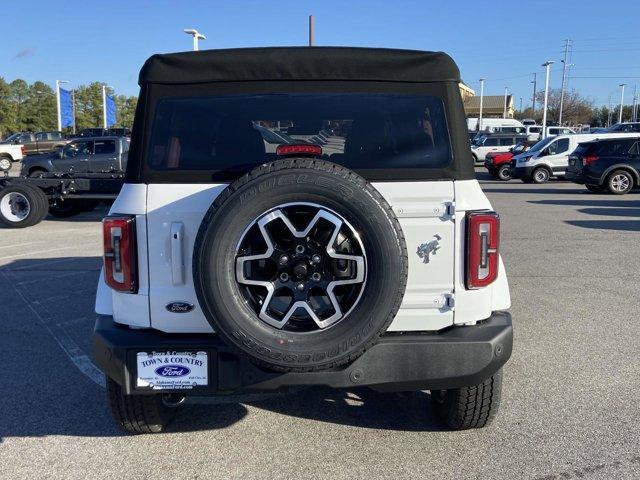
481 95
546 64
58 82
504 112
621 102
196 36
104 106
311 31
567 44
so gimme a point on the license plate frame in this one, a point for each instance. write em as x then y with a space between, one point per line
168 370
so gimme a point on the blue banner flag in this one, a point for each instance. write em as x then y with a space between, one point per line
111 110
66 108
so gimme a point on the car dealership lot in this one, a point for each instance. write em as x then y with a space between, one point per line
570 409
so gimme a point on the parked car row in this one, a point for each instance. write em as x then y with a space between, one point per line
49 141
608 162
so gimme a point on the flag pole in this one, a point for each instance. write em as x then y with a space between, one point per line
73 108
58 104
104 107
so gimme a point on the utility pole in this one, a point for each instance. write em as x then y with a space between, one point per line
567 43
481 97
520 105
504 111
610 113
533 105
311 32
546 64
621 102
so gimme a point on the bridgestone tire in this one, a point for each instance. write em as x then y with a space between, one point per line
138 413
334 188
38 205
469 407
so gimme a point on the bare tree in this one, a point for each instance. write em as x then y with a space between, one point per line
576 109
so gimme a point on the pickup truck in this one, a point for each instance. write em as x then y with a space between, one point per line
38 142
11 152
83 155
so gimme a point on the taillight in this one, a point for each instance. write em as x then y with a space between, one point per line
483 240
589 159
120 259
22 150
299 149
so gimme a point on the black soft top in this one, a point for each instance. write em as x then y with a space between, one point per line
299 63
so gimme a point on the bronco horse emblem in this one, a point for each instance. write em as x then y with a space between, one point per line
426 249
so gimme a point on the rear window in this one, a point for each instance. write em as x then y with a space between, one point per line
360 131
610 148
104 147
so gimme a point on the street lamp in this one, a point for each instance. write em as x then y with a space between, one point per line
196 36
621 102
546 64
58 83
481 96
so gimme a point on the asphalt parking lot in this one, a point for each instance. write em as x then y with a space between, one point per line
570 401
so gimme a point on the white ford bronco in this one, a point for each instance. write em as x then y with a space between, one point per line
296 217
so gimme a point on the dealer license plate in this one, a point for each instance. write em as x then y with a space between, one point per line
172 370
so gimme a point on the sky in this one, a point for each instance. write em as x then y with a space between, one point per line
501 41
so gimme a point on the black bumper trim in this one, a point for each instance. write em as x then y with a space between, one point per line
459 356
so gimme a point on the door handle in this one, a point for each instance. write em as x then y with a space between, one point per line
177 260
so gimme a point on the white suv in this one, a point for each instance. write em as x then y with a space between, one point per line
361 252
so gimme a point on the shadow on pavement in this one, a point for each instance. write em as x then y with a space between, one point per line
536 190
591 203
363 407
623 225
47 321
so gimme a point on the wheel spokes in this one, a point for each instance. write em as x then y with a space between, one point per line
318 276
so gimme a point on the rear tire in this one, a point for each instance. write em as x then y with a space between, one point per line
138 413
540 175
22 205
504 173
469 407
37 172
620 182
65 208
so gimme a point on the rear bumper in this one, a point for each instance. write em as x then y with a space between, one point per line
459 356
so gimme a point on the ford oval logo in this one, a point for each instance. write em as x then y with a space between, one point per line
179 307
172 371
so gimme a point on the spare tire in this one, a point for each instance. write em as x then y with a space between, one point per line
300 264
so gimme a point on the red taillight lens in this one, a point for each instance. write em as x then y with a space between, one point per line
589 159
120 258
483 240
22 150
299 149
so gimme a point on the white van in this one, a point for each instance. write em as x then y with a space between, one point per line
555 131
496 143
492 125
550 157
533 132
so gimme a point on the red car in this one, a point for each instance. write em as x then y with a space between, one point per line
499 163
